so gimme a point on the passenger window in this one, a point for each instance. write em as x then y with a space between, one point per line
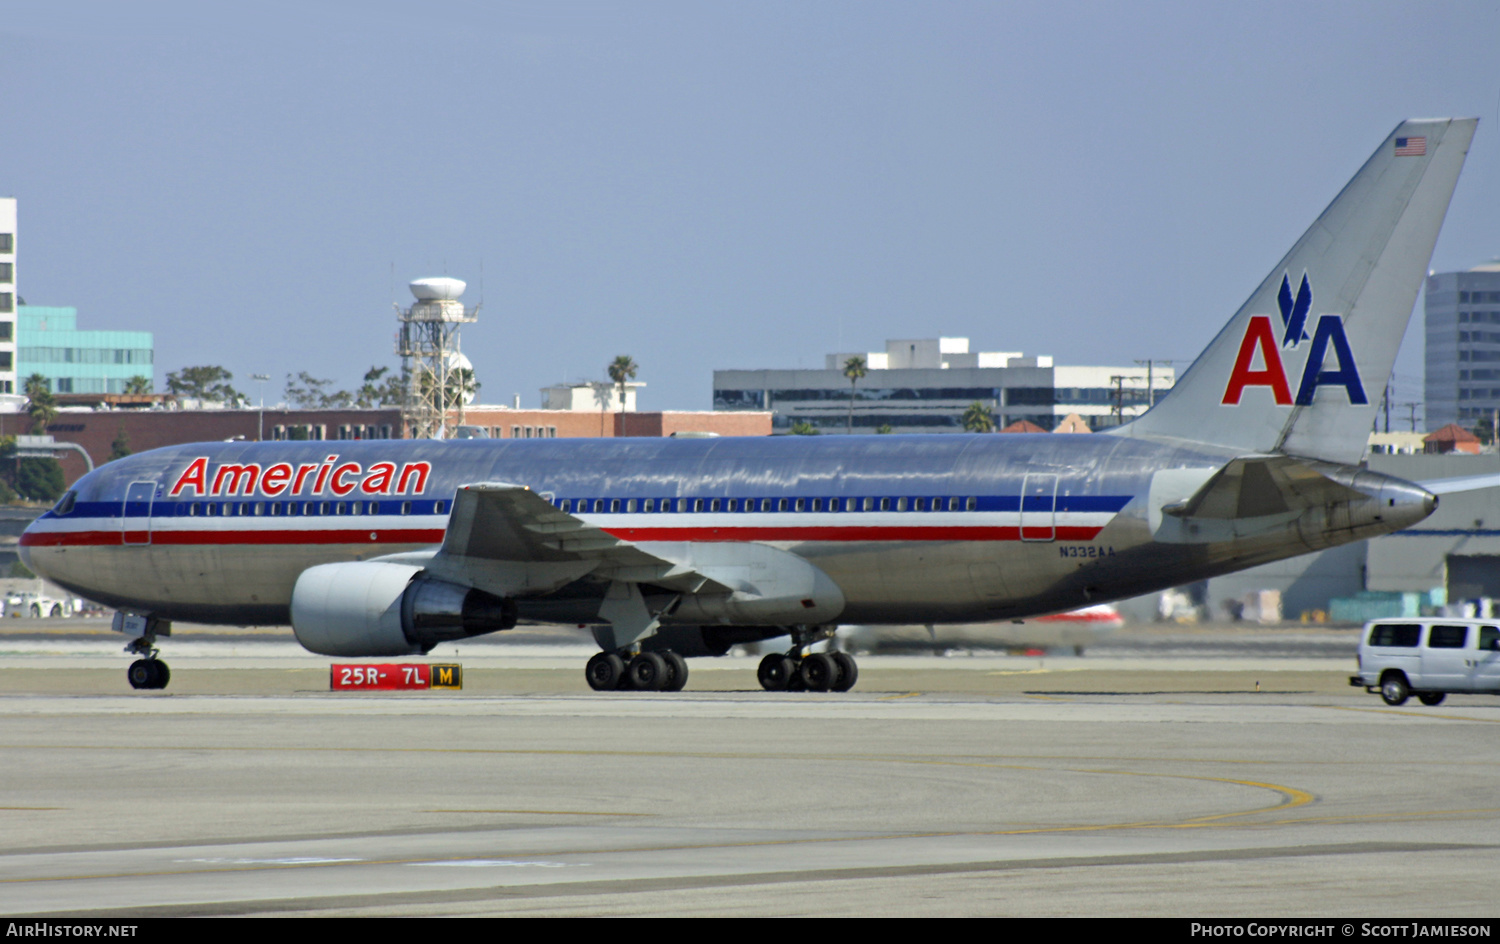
971 504
730 504
869 504
713 504
440 508
193 510
1395 634
919 504
900 504
614 506
782 504
275 509
630 506
406 507
697 505
885 504
682 505
765 504
339 508
1448 637
817 504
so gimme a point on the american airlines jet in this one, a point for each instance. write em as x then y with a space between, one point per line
672 548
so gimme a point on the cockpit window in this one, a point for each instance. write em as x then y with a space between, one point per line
65 504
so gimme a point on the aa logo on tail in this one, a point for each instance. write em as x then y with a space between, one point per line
1259 345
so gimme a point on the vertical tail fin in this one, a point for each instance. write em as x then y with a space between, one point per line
1300 367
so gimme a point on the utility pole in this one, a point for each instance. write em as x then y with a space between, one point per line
260 420
1119 381
1413 408
1150 385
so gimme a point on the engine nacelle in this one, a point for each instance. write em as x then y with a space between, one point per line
371 608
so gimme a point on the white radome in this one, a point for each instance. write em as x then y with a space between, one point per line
441 289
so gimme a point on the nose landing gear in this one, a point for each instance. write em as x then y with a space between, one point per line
147 672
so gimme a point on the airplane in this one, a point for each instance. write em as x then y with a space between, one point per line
669 548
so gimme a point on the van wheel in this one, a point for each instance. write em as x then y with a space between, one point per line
1432 698
1394 690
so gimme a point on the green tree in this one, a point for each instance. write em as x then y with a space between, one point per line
379 389
40 404
855 369
462 387
205 383
120 448
804 428
884 429
977 419
310 393
40 479
138 384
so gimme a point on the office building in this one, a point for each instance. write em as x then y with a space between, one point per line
1462 313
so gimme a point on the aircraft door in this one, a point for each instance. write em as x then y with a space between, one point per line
135 522
1038 499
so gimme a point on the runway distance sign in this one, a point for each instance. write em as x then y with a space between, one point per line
394 676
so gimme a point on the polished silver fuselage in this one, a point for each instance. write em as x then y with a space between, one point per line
912 529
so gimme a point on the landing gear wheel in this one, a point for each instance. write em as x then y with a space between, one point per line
775 671
56 611
1394 690
819 672
848 671
604 671
647 672
148 673
1432 699
677 671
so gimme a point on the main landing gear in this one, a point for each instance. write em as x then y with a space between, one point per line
664 671
802 671
817 672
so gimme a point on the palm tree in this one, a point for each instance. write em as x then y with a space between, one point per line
854 369
40 406
977 419
622 369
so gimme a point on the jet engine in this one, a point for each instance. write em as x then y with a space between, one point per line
372 608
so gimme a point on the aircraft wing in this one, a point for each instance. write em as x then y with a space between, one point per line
512 534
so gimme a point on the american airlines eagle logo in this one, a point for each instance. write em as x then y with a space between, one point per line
305 478
1259 346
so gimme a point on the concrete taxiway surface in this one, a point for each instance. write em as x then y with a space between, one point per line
1124 783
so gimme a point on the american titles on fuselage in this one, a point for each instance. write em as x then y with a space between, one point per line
1260 338
317 478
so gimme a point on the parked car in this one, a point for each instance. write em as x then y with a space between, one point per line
1429 658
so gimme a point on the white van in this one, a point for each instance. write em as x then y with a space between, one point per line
1429 658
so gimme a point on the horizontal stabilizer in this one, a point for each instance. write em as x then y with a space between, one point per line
1467 483
1256 486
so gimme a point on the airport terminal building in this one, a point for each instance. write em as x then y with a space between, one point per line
927 385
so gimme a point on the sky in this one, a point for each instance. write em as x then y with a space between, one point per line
706 185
